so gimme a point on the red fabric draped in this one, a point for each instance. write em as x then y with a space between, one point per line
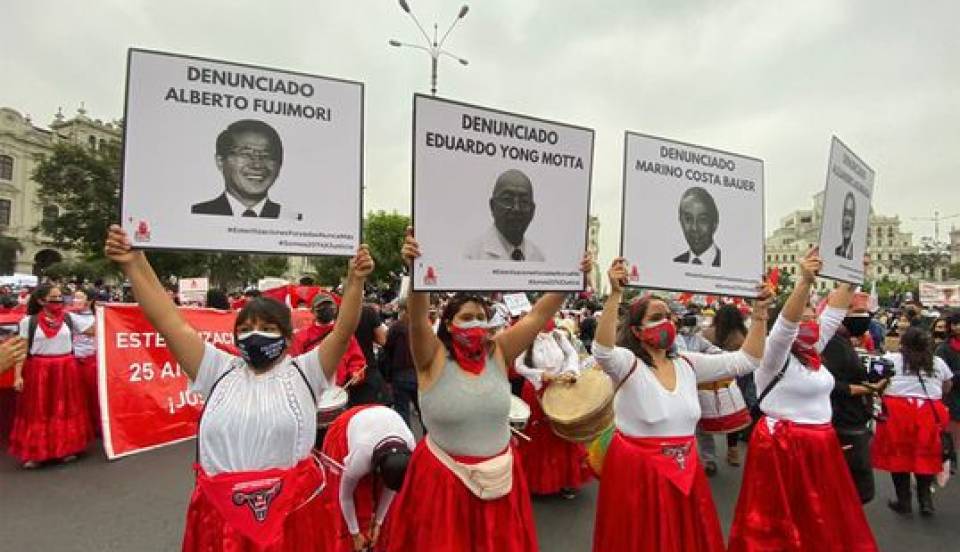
352 361
908 439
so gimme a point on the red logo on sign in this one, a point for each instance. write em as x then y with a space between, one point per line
143 232
634 274
430 278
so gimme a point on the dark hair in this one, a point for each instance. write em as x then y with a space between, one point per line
952 319
633 318
217 299
728 320
39 294
266 310
225 140
704 197
916 346
451 309
390 460
91 294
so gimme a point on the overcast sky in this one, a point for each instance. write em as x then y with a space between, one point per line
772 80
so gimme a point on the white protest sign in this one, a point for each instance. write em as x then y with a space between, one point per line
271 282
193 291
692 217
940 294
517 303
500 201
846 214
222 156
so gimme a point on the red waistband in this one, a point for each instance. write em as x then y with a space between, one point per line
655 441
53 357
816 427
306 464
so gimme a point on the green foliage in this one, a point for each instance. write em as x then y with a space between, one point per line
954 271
384 233
82 270
330 271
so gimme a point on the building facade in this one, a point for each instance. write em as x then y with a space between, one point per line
800 230
596 276
954 245
22 144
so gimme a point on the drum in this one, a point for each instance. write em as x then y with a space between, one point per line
519 413
331 403
722 407
582 410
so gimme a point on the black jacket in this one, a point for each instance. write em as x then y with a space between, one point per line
952 358
849 412
685 258
220 205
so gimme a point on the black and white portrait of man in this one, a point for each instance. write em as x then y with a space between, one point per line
249 154
849 221
512 207
699 219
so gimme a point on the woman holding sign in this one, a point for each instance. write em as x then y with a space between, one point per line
654 495
797 491
257 484
465 489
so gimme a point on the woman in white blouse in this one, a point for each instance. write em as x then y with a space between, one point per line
908 435
797 493
654 495
256 480
552 464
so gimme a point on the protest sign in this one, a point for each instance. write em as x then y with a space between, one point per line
500 201
223 156
193 291
846 214
517 303
692 217
940 294
145 402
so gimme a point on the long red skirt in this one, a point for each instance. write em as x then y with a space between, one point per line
364 497
551 463
641 510
52 420
304 529
908 440
437 513
88 372
797 494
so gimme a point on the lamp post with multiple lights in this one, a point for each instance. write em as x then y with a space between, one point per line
433 46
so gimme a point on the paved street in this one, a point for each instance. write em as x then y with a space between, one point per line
138 503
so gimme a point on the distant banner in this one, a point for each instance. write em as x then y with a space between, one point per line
940 294
144 397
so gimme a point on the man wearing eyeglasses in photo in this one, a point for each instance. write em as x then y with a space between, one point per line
512 207
249 154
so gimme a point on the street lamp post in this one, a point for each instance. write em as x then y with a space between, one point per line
433 46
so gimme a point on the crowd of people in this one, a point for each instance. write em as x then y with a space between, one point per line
414 449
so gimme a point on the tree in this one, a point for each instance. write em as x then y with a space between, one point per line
384 233
954 271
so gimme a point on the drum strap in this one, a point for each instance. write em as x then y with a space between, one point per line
630 373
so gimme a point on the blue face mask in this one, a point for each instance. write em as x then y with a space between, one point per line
261 349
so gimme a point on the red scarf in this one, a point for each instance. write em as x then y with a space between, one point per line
955 343
805 345
469 348
50 319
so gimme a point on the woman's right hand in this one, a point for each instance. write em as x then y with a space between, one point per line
810 266
18 383
411 248
617 275
118 247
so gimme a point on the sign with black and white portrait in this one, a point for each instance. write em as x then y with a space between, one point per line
500 201
223 156
846 214
692 217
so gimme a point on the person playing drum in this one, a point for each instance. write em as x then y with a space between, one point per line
465 488
654 495
369 447
256 479
552 464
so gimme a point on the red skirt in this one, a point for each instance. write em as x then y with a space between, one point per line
52 420
797 494
908 440
304 529
88 372
435 512
364 497
551 463
641 510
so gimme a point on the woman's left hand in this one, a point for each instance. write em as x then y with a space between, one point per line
361 265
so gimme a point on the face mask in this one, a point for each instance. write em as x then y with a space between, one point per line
857 325
658 335
261 349
325 315
940 334
469 342
805 346
53 309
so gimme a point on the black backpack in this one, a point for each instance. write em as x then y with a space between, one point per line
32 329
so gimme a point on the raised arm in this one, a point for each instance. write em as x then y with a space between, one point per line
332 348
714 367
785 329
606 333
424 344
182 340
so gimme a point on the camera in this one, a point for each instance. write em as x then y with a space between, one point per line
689 321
877 367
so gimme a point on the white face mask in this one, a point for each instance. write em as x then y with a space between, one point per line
476 323
269 335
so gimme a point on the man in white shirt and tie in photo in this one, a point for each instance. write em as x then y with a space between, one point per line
699 219
512 207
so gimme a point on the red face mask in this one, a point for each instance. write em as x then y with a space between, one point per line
53 309
659 335
805 346
469 346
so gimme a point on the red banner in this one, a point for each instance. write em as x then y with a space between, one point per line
144 397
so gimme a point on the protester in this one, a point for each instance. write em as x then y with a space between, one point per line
371 334
653 494
728 331
258 427
217 299
588 329
52 421
85 350
908 435
940 331
400 369
949 351
465 488
552 465
797 493
371 446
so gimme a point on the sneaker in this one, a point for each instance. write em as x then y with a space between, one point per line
733 456
71 458
30 465
710 467
568 493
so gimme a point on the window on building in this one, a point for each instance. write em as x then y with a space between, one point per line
6 167
776 258
805 220
793 270
50 213
890 243
890 231
4 212
879 270
92 142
